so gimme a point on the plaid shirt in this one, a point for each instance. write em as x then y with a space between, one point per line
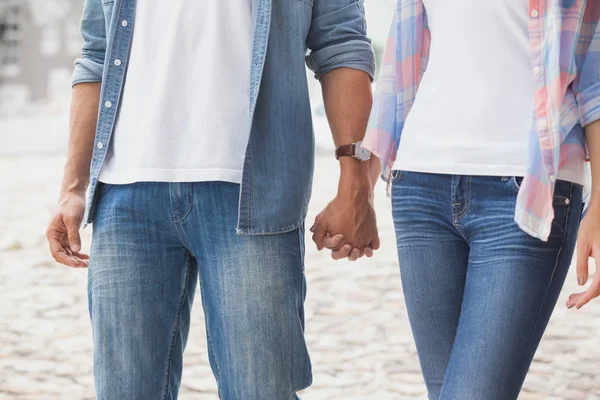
565 56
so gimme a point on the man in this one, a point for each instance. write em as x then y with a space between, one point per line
199 165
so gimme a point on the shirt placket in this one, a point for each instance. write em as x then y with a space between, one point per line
112 84
544 131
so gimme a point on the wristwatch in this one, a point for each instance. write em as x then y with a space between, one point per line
353 150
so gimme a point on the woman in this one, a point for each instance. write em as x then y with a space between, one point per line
481 119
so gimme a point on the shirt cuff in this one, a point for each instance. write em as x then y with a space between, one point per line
86 70
355 54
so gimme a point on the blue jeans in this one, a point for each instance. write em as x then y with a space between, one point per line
479 291
151 244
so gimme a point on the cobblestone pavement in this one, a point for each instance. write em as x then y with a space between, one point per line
357 327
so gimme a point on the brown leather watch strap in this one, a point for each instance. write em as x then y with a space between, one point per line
347 150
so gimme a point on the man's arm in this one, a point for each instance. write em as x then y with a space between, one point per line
85 100
342 58
348 100
63 231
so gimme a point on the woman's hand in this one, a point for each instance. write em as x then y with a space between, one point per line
588 245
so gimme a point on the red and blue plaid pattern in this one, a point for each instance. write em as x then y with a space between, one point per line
565 56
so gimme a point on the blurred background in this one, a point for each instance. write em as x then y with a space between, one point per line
357 328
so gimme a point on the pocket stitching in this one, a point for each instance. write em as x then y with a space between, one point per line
515 184
558 200
396 176
561 200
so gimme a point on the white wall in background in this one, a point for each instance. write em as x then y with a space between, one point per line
379 17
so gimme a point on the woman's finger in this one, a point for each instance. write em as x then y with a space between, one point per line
343 252
333 242
354 255
590 294
583 256
573 299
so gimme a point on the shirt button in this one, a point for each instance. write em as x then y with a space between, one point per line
567 201
552 178
117 62
537 70
543 124
535 13
100 145
124 23
108 104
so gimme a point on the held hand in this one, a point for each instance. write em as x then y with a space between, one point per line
352 215
340 249
63 232
588 245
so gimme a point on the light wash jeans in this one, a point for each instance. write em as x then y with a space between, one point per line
479 291
152 242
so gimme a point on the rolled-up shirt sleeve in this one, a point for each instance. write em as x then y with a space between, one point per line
338 38
587 85
90 65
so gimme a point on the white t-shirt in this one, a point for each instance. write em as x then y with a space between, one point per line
184 113
474 108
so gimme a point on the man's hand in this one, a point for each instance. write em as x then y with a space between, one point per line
339 250
349 221
63 231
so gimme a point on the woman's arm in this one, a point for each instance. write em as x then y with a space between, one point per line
587 91
588 244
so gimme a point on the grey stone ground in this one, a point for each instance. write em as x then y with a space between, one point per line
357 328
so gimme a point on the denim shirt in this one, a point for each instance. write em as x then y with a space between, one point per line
279 163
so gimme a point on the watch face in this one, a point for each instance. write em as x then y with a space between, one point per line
361 153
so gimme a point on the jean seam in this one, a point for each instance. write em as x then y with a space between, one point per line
467 199
250 217
301 246
209 343
191 186
302 249
558 255
190 208
177 325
